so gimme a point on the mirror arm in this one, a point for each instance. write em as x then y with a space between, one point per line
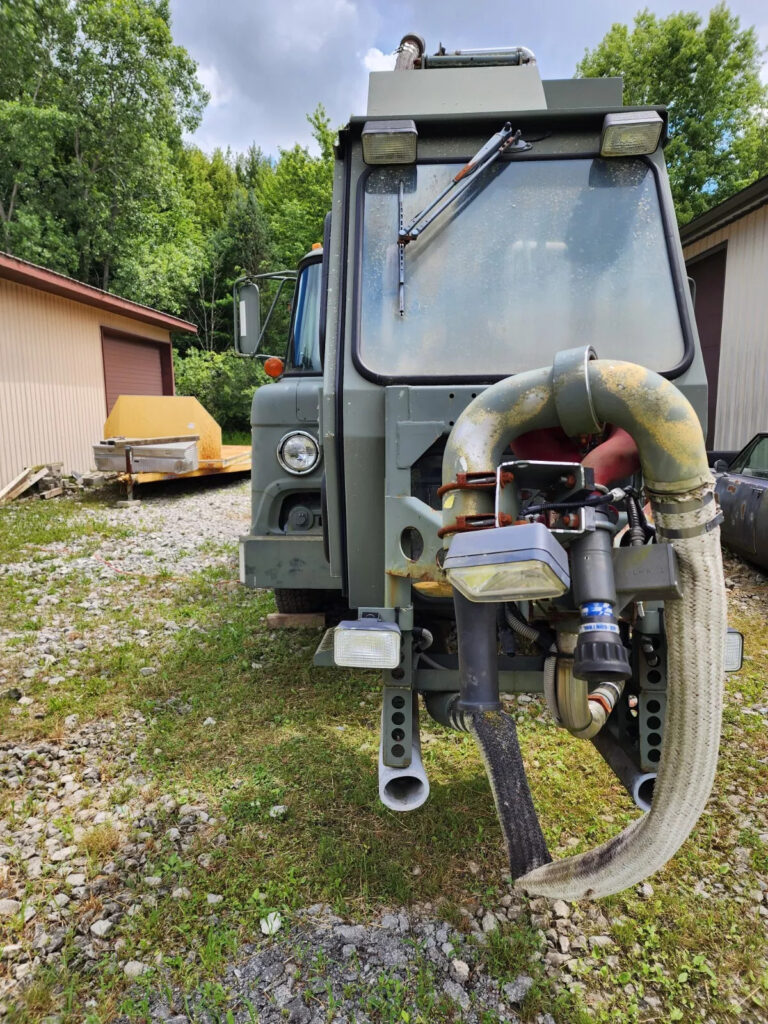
271 308
283 276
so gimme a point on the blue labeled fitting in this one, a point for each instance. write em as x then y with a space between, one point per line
596 609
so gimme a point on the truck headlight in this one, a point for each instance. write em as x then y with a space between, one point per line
366 643
298 452
510 563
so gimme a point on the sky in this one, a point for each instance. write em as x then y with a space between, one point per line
268 63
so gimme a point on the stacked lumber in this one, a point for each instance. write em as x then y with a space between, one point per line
42 481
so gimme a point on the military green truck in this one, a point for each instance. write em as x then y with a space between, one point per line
486 444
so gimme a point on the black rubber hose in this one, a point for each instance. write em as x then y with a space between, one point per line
636 531
478 654
496 734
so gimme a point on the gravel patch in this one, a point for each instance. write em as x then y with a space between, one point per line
324 969
168 536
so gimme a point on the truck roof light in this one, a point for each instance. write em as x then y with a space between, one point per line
510 563
630 133
389 142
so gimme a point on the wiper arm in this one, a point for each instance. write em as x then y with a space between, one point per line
485 156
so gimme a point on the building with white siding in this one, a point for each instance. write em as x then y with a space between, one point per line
726 252
67 350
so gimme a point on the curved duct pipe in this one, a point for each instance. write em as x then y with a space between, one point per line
581 712
410 50
441 705
404 789
524 629
668 436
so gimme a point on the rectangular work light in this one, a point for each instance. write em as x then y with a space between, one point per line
630 133
733 655
366 643
512 563
389 142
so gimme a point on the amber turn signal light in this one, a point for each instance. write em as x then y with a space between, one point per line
274 366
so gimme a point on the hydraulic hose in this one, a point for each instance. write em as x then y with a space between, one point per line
673 459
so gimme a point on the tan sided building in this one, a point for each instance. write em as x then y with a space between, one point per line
726 253
67 350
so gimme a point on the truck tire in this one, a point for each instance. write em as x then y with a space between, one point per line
302 602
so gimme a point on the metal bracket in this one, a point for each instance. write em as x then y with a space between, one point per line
397 726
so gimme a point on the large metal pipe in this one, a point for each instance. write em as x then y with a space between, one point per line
639 784
582 395
410 50
478 654
404 789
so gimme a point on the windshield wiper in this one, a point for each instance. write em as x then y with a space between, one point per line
499 143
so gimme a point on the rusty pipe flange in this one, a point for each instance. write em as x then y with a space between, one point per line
573 398
469 482
479 521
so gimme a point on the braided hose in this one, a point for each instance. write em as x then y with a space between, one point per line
695 626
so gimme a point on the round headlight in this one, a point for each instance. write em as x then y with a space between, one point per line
298 452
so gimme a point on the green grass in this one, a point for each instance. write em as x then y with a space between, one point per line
26 525
289 733
235 437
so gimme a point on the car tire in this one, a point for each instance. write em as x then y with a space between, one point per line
304 602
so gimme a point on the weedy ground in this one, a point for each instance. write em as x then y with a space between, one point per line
692 947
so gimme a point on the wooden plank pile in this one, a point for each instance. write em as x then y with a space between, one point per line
46 481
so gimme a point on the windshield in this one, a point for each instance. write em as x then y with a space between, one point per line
753 461
536 257
304 350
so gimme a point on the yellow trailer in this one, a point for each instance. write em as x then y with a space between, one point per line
166 430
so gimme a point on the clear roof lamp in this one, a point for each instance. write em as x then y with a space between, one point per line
511 563
630 133
366 643
389 142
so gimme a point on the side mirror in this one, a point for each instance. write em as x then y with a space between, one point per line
720 466
247 319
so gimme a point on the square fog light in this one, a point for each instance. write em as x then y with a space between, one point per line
366 643
511 563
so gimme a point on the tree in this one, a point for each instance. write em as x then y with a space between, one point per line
234 240
709 78
35 42
295 194
94 98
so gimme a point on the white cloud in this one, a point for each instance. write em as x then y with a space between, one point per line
213 83
375 60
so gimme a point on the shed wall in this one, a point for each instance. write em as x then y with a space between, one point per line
742 399
52 397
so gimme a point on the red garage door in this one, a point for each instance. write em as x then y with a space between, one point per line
134 367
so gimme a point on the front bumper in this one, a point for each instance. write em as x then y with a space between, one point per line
287 562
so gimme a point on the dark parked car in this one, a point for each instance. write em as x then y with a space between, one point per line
742 487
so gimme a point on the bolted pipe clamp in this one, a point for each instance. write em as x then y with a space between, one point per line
573 398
